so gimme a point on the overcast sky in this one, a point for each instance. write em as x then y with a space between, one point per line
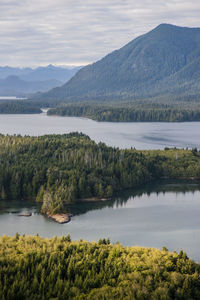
78 32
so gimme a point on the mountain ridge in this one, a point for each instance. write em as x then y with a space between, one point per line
162 61
15 86
26 81
61 73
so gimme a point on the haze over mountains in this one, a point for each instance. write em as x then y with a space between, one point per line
25 81
165 61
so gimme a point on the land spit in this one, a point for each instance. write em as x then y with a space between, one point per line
60 218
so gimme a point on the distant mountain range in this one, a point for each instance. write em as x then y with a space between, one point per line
26 81
165 61
14 86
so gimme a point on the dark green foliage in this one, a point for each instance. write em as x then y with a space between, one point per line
60 169
165 61
19 107
131 112
35 268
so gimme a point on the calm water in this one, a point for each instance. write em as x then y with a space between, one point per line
12 98
123 135
166 215
155 217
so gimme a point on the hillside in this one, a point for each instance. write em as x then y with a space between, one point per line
165 61
26 81
36 268
15 86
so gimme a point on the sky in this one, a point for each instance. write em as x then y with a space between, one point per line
78 32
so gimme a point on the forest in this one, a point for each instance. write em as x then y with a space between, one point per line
57 170
35 268
141 110
136 111
19 107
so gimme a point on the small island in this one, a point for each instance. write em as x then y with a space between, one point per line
60 218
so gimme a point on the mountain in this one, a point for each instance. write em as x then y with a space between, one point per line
41 73
14 86
165 61
9 71
26 81
50 72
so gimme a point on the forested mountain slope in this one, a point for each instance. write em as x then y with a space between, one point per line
165 61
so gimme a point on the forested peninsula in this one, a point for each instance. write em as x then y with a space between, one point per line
19 107
135 111
156 110
57 170
38 269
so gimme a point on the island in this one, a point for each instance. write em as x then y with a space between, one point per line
60 218
59 170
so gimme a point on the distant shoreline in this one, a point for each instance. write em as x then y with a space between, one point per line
12 98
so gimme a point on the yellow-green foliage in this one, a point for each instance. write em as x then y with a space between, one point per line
36 268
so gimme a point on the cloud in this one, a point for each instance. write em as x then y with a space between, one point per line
79 32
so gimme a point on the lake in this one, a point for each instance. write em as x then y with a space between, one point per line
12 98
122 135
155 216
165 215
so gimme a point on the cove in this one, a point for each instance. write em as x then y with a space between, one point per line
165 214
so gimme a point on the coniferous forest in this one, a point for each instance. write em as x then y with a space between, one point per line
57 268
60 169
155 110
19 107
135 111
153 78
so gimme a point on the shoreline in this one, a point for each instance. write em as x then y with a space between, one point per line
24 214
63 218
60 218
94 199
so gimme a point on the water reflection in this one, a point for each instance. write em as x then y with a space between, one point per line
159 187
160 214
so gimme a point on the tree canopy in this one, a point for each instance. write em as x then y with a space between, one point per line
38 269
60 169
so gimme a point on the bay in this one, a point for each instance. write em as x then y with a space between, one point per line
123 135
155 216
151 217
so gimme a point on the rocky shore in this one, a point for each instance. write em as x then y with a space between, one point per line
60 218
25 215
